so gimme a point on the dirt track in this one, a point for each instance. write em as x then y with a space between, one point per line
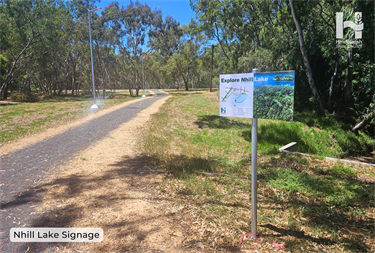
89 176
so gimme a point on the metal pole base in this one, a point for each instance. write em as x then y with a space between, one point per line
143 95
95 106
254 147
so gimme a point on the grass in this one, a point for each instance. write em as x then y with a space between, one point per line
304 203
18 120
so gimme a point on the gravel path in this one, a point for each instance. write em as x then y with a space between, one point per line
22 170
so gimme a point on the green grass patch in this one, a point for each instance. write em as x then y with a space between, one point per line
308 202
18 120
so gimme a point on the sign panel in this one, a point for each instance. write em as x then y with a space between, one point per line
236 95
267 95
274 95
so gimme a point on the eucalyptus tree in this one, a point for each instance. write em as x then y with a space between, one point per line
132 25
24 24
190 49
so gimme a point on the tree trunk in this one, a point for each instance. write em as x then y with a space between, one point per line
364 122
66 79
9 76
348 82
183 77
309 71
332 81
73 78
103 83
5 92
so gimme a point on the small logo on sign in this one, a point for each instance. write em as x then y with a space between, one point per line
341 25
223 110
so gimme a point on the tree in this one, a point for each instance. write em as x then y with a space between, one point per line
309 71
132 24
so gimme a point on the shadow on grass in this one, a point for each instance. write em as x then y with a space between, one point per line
214 121
181 165
325 218
135 170
136 174
297 234
326 203
66 98
312 141
277 135
321 120
337 191
184 93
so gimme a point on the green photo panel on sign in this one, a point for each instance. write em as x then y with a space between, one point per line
273 95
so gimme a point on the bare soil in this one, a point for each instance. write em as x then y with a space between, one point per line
109 186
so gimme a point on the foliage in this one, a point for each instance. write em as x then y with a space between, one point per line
46 47
45 44
3 61
24 97
274 102
263 35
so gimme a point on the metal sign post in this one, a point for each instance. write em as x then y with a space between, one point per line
254 144
251 95
254 150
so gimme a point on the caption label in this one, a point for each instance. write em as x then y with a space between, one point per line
56 234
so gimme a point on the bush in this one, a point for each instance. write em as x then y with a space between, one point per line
24 97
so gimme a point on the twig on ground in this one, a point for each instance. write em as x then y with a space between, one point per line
226 175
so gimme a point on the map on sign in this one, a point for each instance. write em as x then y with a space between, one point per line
236 95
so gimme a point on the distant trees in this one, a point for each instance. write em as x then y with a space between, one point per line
300 35
44 47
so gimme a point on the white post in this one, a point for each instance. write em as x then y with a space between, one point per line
143 78
92 62
254 149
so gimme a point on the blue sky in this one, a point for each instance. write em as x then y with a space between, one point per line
178 9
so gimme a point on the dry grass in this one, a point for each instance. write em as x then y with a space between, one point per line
57 127
23 119
319 206
108 186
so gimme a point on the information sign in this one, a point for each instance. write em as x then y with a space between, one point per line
268 95
236 95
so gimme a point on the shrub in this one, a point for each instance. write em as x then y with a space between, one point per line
24 97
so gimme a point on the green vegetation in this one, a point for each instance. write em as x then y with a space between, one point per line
307 202
283 78
265 35
24 97
274 102
18 120
339 78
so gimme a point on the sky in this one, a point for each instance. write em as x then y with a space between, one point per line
179 9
